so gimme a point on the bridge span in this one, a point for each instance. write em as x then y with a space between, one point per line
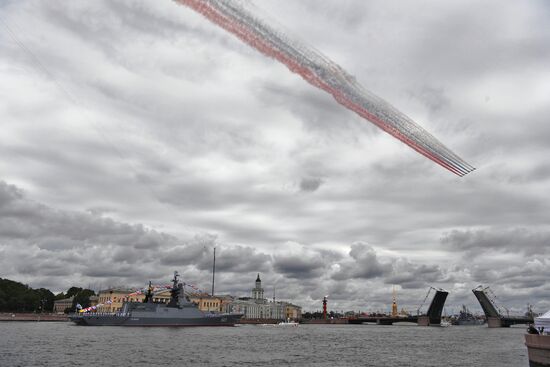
495 317
431 317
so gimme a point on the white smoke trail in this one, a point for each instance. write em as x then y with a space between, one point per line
241 19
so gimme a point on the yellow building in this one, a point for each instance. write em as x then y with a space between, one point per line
111 299
116 296
162 296
94 300
61 305
293 312
225 303
204 302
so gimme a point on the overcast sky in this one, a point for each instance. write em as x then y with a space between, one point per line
136 136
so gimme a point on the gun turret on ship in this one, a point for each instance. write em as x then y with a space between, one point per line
179 311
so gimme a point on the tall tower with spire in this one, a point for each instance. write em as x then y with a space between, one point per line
258 291
394 311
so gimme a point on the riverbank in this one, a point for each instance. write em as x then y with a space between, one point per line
35 317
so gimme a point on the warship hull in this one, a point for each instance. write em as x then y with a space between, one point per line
121 320
468 322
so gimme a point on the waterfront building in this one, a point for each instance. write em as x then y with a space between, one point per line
258 291
111 299
257 307
161 296
225 302
94 300
61 305
206 302
293 312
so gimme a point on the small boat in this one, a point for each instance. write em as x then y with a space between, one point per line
537 341
445 323
288 323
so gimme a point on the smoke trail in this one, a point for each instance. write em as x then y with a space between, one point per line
236 17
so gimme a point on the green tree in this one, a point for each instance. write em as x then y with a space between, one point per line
46 299
18 297
82 297
73 291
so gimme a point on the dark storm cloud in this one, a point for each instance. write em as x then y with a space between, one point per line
198 252
530 241
310 184
55 242
414 276
365 264
299 267
241 259
102 252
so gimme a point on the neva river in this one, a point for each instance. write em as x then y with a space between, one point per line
63 344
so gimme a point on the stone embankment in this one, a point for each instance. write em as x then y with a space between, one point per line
33 317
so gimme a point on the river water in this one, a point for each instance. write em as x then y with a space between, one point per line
63 344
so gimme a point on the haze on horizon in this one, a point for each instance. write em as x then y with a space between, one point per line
155 136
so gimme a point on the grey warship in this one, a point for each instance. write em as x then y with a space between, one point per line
178 312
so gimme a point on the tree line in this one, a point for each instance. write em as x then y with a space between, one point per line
19 297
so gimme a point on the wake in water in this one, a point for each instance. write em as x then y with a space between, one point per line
241 19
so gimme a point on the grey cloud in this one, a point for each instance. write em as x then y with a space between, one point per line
106 252
434 98
512 240
310 184
192 252
242 259
414 276
365 264
299 267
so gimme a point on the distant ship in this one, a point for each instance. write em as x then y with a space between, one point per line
465 317
178 312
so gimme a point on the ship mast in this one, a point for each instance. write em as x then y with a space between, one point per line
213 271
174 292
149 294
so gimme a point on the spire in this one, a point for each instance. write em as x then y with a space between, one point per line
394 311
258 278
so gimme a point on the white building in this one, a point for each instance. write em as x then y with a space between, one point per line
258 291
258 307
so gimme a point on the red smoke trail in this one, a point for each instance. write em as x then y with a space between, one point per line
244 32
